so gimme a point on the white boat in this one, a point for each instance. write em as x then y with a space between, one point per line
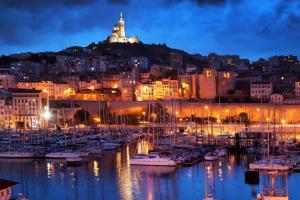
221 152
16 154
84 154
211 156
62 155
264 197
94 150
272 164
152 160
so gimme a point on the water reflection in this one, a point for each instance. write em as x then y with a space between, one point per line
124 174
143 147
96 170
51 179
50 170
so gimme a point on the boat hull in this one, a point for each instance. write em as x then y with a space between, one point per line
152 162
16 155
62 155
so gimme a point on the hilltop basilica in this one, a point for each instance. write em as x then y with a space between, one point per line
118 33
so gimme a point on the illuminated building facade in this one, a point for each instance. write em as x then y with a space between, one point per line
30 108
297 89
110 81
126 85
276 99
261 90
54 90
185 85
157 90
6 114
102 94
92 85
207 83
118 33
225 82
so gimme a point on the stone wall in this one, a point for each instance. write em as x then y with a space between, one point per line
256 112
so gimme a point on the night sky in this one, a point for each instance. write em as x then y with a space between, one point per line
250 28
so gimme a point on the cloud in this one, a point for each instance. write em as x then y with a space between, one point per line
197 26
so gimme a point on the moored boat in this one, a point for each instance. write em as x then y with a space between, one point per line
221 152
16 154
272 164
62 155
152 160
211 156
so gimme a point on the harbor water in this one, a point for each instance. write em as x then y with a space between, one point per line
110 177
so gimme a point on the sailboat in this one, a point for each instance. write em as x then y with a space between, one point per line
272 163
153 158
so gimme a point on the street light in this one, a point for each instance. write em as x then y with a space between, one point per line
144 114
46 113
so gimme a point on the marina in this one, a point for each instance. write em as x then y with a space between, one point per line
112 177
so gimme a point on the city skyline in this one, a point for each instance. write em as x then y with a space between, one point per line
250 29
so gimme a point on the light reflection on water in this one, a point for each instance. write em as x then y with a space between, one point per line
111 177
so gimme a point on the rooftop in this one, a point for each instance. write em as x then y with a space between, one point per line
19 90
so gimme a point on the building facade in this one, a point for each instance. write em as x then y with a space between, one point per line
54 90
225 82
261 90
7 81
297 89
30 108
207 83
157 90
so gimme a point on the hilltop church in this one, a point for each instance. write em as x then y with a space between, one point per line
118 33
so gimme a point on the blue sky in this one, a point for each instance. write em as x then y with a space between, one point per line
249 28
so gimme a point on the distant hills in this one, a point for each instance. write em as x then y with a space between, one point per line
156 53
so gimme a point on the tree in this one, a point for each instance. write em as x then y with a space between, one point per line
244 117
133 119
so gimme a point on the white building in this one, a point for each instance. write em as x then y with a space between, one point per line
261 90
29 108
297 89
54 90
118 33
276 99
